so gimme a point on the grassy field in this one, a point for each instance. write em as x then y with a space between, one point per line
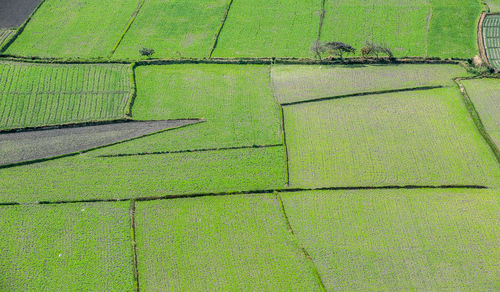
261 28
485 95
40 94
400 240
219 243
494 5
294 83
410 138
491 35
410 28
235 100
66 28
66 247
174 29
5 34
85 178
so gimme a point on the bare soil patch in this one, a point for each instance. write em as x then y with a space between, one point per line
15 12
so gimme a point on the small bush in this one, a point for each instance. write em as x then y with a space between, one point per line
146 52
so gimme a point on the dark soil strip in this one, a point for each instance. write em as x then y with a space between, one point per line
286 147
129 24
134 245
267 191
304 251
477 119
362 94
37 146
216 39
189 151
64 126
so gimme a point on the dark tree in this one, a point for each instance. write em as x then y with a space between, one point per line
146 52
372 48
318 48
339 49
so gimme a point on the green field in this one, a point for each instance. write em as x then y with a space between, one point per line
294 83
40 94
400 240
67 28
66 247
410 28
174 29
85 178
485 95
219 243
262 28
409 138
5 34
235 100
494 5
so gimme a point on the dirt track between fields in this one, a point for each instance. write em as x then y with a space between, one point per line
15 12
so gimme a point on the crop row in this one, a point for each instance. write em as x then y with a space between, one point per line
4 35
491 34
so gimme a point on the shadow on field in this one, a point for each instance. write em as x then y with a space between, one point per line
34 145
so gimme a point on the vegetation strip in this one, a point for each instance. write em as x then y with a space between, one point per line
321 20
304 251
129 24
220 29
269 191
477 120
134 243
363 94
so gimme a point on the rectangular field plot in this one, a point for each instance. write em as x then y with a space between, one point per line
236 101
39 94
491 35
67 28
83 246
85 178
485 95
407 138
400 240
264 28
174 29
294 83
219 244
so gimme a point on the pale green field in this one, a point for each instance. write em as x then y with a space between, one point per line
66 247
178 28
485 95
262 28
219 243
85 178
410 138
400 240
43 94
67 28
294 83
235 100
494 5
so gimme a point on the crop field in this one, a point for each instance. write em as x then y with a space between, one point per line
408 138
85 246
491 35
83 177
38 94
173 29
219 243
295 83
494 5
400 240
262 28
5 35
85 29
236 101
485 95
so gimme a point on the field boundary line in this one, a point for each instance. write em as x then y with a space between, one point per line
253 192
363 94
134 244
219 30
127 27
304 251
480 40
427 30
20 29
187 151
67 92
133 90
476 118
66 125
321 20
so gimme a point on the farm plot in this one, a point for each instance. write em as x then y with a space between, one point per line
491 36
294 83
85 178
15 12
33 95
494 5
400 239
219 243
409 28
174 29
407 138
83 29
70 246
485 95
236 101
263 28
5 35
